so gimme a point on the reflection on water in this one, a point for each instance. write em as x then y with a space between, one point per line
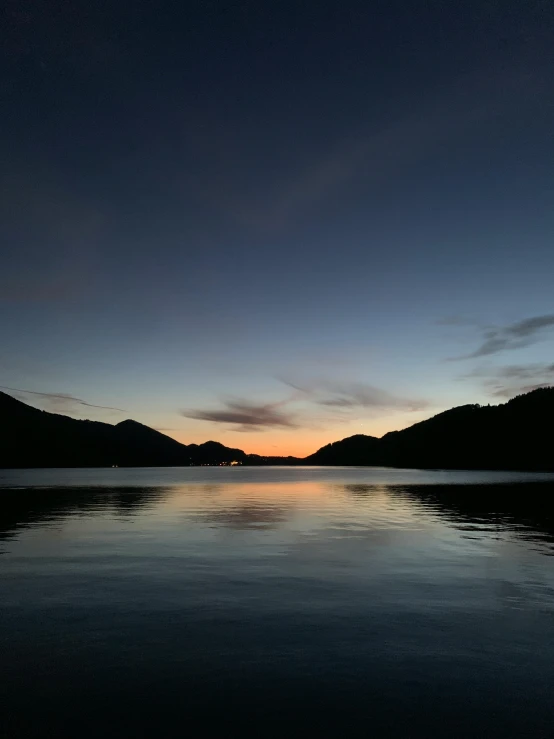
272 602
496 511
246 516
24 508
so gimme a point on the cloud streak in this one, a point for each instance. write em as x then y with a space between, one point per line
377 152
517 335
61 399
352 395
312 405
512 380
245 416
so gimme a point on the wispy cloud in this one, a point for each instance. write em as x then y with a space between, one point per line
245 416
313 404
496 339
58 401
378 155
376 152
525 372
512 380
354 395
511 392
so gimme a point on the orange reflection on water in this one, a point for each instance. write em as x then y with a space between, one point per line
365 503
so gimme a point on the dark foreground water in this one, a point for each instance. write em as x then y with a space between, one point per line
276 602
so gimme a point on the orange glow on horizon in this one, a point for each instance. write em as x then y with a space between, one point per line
296 442
269 444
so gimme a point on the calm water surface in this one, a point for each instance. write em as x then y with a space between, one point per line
276 602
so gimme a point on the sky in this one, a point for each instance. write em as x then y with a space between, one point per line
276 224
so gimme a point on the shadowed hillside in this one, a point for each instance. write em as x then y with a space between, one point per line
34 438
515 435
354 450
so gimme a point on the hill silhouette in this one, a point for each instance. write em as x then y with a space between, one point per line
33 438
352 451
514 435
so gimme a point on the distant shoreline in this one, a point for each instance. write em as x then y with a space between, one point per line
505 437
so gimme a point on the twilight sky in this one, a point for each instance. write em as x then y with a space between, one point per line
276 224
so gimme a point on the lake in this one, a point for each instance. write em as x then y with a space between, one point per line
276 602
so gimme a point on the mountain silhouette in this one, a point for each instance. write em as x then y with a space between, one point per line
516 435
352 451
33 438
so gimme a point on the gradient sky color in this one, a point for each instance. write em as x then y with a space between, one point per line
276 224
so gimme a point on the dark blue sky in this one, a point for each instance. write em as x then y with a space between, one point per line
276 224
